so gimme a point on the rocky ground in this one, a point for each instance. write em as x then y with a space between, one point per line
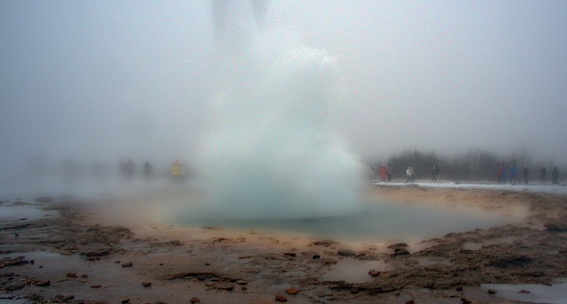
86 256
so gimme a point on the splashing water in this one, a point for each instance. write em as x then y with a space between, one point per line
273 150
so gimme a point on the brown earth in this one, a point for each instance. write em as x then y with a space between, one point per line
107 252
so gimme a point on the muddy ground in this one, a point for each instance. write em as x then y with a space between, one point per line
83 255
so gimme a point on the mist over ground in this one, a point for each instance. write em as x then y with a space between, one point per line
107 81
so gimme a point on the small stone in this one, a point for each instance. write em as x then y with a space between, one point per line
125 301
244 288
96 286
346 252
195 300
84 276
399 251
410 302
241 282
117 262
224 286
291 291
281 298
465 300
315 257
146 284
374 273
524 291
43 283
491 291
354 291
128 264
72 275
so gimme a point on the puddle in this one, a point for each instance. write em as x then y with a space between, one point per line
478 246
433 261
28 212
532 293
354 271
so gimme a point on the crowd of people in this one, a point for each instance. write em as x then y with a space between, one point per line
504 175
178 171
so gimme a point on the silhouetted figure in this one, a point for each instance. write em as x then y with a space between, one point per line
148 171
513 175
389 173
409 174
435 173
503 174
542 175
499 174
526 173
176 171
129 170
555 176
383 173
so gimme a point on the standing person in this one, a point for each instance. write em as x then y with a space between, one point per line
499 174
542 175
383 173
389 172
513 175
503 174
148 171
176 171
411 173
526 172
408 175
555 176
434 173
129 169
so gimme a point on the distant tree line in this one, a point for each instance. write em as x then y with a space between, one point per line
474 165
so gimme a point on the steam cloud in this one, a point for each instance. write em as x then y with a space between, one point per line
273 151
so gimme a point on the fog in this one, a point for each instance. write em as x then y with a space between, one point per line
105 81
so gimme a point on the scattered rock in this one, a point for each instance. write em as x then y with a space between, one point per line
398 246
291 291
465 300
346 252
241 282
399 252
315 257
374 273
43 283
510 261
146 284
128 264
96 286
72 275
410 302
324 243
354 291
125 301
195 300
459 288
491 291
224 286
281 298
524 291
555 226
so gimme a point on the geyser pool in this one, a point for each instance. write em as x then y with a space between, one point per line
374 220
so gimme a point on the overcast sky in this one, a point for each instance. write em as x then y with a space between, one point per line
111 79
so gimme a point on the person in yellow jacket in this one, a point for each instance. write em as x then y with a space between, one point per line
176 171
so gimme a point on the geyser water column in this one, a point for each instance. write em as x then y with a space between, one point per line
273 150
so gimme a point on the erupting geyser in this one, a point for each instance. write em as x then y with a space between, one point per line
273 150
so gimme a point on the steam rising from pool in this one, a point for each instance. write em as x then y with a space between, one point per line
273 150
